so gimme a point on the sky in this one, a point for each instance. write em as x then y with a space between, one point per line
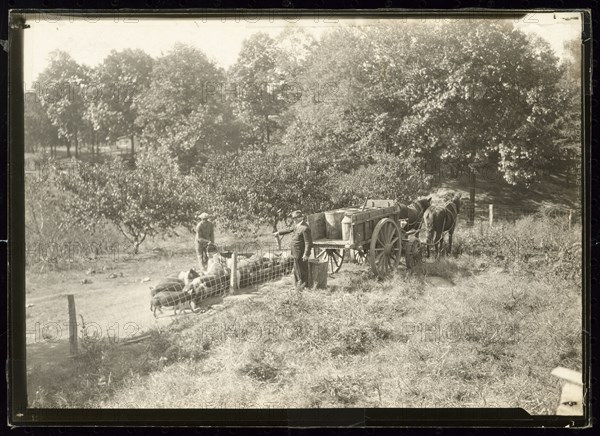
90 39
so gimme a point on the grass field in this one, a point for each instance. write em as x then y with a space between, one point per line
481 327
472 331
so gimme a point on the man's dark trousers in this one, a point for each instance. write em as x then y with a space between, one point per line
300 271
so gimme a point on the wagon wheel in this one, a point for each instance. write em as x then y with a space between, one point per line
334 256
413 254
360 255
386 247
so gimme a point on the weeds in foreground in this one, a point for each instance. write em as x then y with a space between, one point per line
101 368
490 340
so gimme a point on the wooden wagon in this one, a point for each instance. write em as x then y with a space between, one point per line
373 232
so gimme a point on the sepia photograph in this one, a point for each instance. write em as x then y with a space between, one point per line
304 212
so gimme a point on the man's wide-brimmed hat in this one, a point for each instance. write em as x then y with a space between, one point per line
203 216
297 214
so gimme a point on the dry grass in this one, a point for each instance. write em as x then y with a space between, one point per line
397 344
473 332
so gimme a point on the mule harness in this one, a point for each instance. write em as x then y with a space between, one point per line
420 211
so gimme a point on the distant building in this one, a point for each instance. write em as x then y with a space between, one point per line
123 143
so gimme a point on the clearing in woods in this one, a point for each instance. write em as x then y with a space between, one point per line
543 313
468 334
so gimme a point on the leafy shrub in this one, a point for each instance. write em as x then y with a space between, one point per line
530 243
149 199
52 238
390 177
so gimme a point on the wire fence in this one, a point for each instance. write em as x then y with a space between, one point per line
492 212
226 273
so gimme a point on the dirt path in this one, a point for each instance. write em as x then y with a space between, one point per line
115 303
119 307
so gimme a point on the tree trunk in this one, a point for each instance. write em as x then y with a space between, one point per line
268 132
472 194
132 145
93 142
68 148
275 222
76 143
136 244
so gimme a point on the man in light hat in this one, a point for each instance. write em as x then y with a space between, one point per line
205 235
300 246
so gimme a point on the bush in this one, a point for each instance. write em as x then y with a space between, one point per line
388 177
529 244
52 238
149 199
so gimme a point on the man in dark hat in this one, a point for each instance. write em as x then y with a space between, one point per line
300 246
205 235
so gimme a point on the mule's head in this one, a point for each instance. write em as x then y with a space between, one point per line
424 203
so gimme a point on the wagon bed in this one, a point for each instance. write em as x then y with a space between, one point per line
372 231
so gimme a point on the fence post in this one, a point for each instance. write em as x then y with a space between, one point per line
491 213
570 218
234 274
72 326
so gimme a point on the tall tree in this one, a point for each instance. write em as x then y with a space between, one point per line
115 85
257 81
568 125
39 130
184 109
495 101
476 92
61 87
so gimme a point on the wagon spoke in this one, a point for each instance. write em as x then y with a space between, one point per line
388 232
383 234
335 259
384 264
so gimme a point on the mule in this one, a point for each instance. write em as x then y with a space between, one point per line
414 214
439 221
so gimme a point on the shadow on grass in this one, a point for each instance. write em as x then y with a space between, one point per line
447 268
103 367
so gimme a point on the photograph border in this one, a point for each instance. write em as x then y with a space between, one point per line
20 414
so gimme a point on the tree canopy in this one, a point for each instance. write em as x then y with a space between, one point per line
116 83
299 122
183 109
